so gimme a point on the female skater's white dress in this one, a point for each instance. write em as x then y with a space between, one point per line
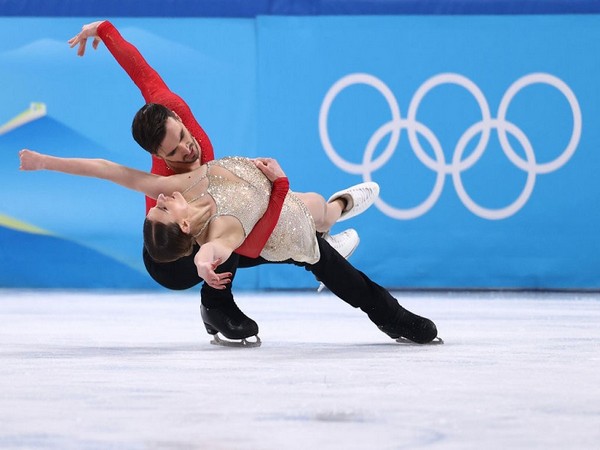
246 198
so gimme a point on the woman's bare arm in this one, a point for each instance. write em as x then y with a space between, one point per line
150 184
225 234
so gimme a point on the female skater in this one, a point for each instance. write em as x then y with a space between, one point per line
238 194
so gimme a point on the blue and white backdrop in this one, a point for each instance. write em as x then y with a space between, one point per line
482 131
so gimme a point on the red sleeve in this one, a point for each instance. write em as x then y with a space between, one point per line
258 237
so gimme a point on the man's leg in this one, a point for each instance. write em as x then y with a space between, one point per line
220 313
218 309
177 275
358 290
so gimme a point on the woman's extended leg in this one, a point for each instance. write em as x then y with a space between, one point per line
341 206
324 214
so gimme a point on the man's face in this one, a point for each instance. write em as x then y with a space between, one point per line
179 149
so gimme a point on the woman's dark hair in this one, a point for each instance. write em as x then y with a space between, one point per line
166 242
148 126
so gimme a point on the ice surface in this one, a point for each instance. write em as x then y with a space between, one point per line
136 371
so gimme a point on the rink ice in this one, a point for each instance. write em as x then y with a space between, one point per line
136 371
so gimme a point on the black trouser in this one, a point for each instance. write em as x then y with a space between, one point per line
182 274
340 277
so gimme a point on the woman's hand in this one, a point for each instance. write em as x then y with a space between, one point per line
269 167
87 31
31 160
206 271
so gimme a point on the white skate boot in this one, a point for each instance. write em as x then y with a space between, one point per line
358 198
344 243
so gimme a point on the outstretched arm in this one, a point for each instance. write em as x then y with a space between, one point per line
149 82
131 60
150 184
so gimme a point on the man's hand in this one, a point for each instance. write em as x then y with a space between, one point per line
31 160
269 167
87 31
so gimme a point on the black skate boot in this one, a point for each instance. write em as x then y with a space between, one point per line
406 326
398 322
232 323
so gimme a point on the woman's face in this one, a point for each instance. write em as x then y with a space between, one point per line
169 209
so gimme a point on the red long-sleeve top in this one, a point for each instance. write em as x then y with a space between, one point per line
155 90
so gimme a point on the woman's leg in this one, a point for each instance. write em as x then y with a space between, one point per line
324 214
341 206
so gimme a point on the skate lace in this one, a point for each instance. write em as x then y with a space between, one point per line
364 193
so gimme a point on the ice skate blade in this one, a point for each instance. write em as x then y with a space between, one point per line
436 341
241 343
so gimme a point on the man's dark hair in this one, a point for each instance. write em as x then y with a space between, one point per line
148 127
166 242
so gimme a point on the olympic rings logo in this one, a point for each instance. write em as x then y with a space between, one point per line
458 165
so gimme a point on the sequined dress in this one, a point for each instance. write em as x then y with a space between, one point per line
246 198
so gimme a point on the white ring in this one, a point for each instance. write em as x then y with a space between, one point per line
483 127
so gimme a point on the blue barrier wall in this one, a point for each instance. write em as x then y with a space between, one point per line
480 131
